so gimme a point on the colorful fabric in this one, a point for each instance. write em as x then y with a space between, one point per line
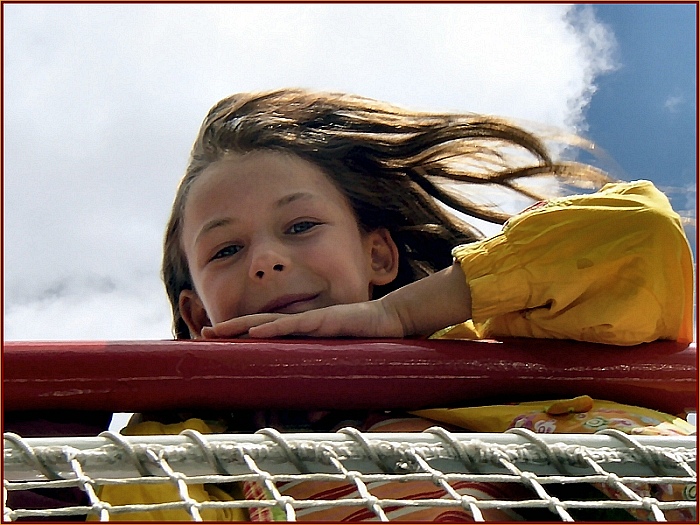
412 490
252 490
577 415
580 415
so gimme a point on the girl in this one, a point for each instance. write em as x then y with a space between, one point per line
325 214
383 169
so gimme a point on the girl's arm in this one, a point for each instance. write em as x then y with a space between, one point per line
610 267
422 307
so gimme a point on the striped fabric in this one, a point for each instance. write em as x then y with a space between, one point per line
409 490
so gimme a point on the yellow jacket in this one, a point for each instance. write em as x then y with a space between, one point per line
167 492
610 267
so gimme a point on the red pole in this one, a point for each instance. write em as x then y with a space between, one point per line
134 376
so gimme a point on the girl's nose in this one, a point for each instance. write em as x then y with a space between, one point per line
275 268
267 261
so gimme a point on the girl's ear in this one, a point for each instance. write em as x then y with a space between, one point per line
193 313
384 257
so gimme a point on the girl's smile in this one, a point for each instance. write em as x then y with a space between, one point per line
269 232
290 304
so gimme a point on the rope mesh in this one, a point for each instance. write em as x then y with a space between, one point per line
469 476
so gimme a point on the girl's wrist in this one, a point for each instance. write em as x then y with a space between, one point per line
432 303
396 312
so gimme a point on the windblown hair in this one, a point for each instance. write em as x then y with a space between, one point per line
391 164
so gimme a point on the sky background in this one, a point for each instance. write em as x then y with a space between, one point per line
103 101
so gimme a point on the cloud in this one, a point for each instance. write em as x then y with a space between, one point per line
82 313
673 102
102 103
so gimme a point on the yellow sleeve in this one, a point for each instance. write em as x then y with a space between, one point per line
610 267
167 492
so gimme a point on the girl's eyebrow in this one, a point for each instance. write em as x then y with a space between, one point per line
225 221
287 199
211 225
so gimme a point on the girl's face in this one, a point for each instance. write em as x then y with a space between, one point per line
269 232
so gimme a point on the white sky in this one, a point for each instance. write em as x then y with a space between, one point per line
102 103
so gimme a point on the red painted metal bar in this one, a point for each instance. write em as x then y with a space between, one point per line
340 374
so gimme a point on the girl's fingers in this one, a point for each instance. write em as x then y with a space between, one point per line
308 323
208 332
237 326
268 330
271 325
355 320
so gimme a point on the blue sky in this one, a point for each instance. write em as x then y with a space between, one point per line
644 113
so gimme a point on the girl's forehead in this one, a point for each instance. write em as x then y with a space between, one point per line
264 177
268 168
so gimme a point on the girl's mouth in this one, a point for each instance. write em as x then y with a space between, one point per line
289 304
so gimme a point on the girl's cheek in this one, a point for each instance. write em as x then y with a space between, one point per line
230 296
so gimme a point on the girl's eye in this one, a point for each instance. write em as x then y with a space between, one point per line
228 251
301 227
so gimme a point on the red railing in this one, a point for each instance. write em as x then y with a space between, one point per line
133 376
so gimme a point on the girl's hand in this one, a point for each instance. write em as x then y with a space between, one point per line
368 319
422 307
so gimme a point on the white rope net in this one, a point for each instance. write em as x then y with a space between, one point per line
361 476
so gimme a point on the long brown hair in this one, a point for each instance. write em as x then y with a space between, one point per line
391 163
